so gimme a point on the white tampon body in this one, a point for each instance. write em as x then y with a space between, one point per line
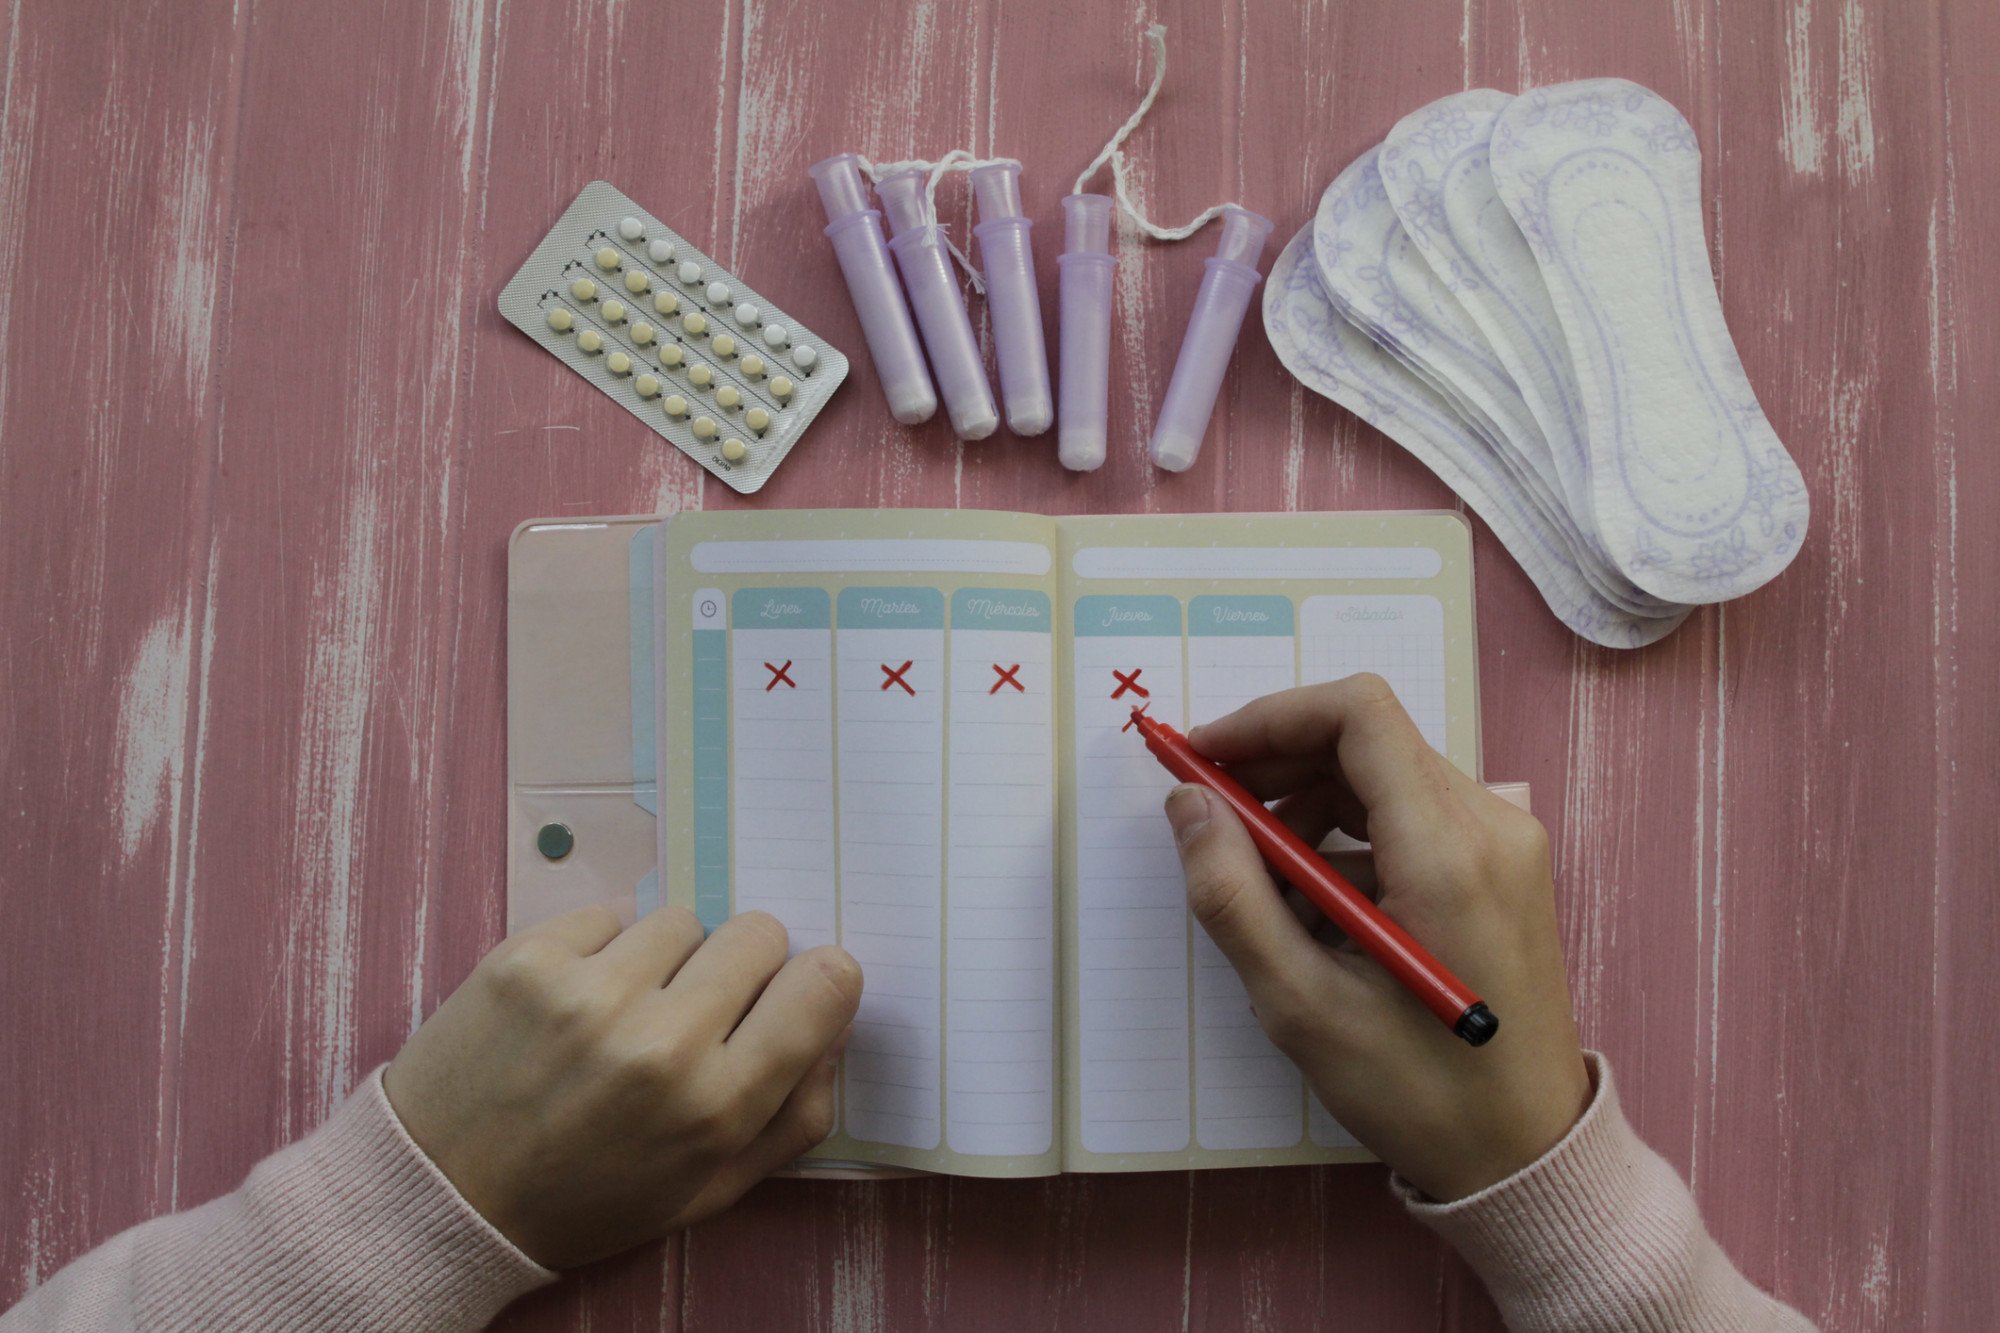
938 305
1226 283
1009 263
856 232
1086 267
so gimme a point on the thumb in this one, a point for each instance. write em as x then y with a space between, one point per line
1230 892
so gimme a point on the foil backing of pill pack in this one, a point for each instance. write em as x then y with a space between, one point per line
708 362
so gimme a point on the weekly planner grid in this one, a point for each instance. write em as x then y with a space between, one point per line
908 732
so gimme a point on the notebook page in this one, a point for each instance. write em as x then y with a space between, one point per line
1247 1094
1167 1066
871 777
1000 949
890 762
1131 919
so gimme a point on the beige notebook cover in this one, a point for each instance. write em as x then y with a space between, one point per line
903 730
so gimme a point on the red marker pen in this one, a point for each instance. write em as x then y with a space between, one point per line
1339 901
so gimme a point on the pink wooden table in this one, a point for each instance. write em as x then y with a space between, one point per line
263 434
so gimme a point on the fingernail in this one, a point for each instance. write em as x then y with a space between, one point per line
1187 811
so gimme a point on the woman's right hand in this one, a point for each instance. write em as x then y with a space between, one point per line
1463 871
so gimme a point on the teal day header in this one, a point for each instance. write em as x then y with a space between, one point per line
1128 617
1001 608
780 608
891 608
1239 616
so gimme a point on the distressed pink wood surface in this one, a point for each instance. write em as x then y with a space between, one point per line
263 434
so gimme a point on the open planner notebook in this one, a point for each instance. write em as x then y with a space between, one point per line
906 731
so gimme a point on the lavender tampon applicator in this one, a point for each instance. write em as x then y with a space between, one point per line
856 232
939 306
1009 264
1226 283
1087 266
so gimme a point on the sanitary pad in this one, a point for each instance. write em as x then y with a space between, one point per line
1695 496
1331 356
1517 291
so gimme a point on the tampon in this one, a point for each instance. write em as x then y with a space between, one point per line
856 232
1086 266
1230 277
1010 295
939 305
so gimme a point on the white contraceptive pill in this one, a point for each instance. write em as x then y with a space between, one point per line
611 290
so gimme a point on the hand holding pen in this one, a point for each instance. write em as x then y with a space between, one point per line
1458 868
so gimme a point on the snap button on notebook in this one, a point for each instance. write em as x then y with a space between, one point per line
555 841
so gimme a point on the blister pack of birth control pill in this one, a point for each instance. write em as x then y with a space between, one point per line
683 344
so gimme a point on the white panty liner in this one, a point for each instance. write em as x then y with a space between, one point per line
1516 290
1331 357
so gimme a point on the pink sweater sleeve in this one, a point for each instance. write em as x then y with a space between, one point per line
351 1227
1600 1233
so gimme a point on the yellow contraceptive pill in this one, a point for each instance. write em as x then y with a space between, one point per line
676 405
757 419
724 345
728 396
704 428
781 387
642 332
694 323
647 385
671 355
590 340
700 375
665 303
607 258
734 450
618 363
583 289
561 320
752 365
636 281
614 311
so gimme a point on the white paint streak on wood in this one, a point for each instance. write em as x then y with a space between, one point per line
1581 853
1855 118
859 1271
328 827
205 661
17 159
183 316
152 732
1804 138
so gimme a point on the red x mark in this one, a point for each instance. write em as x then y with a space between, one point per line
1133 720
896 677
1131 683
778 674
1007 677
